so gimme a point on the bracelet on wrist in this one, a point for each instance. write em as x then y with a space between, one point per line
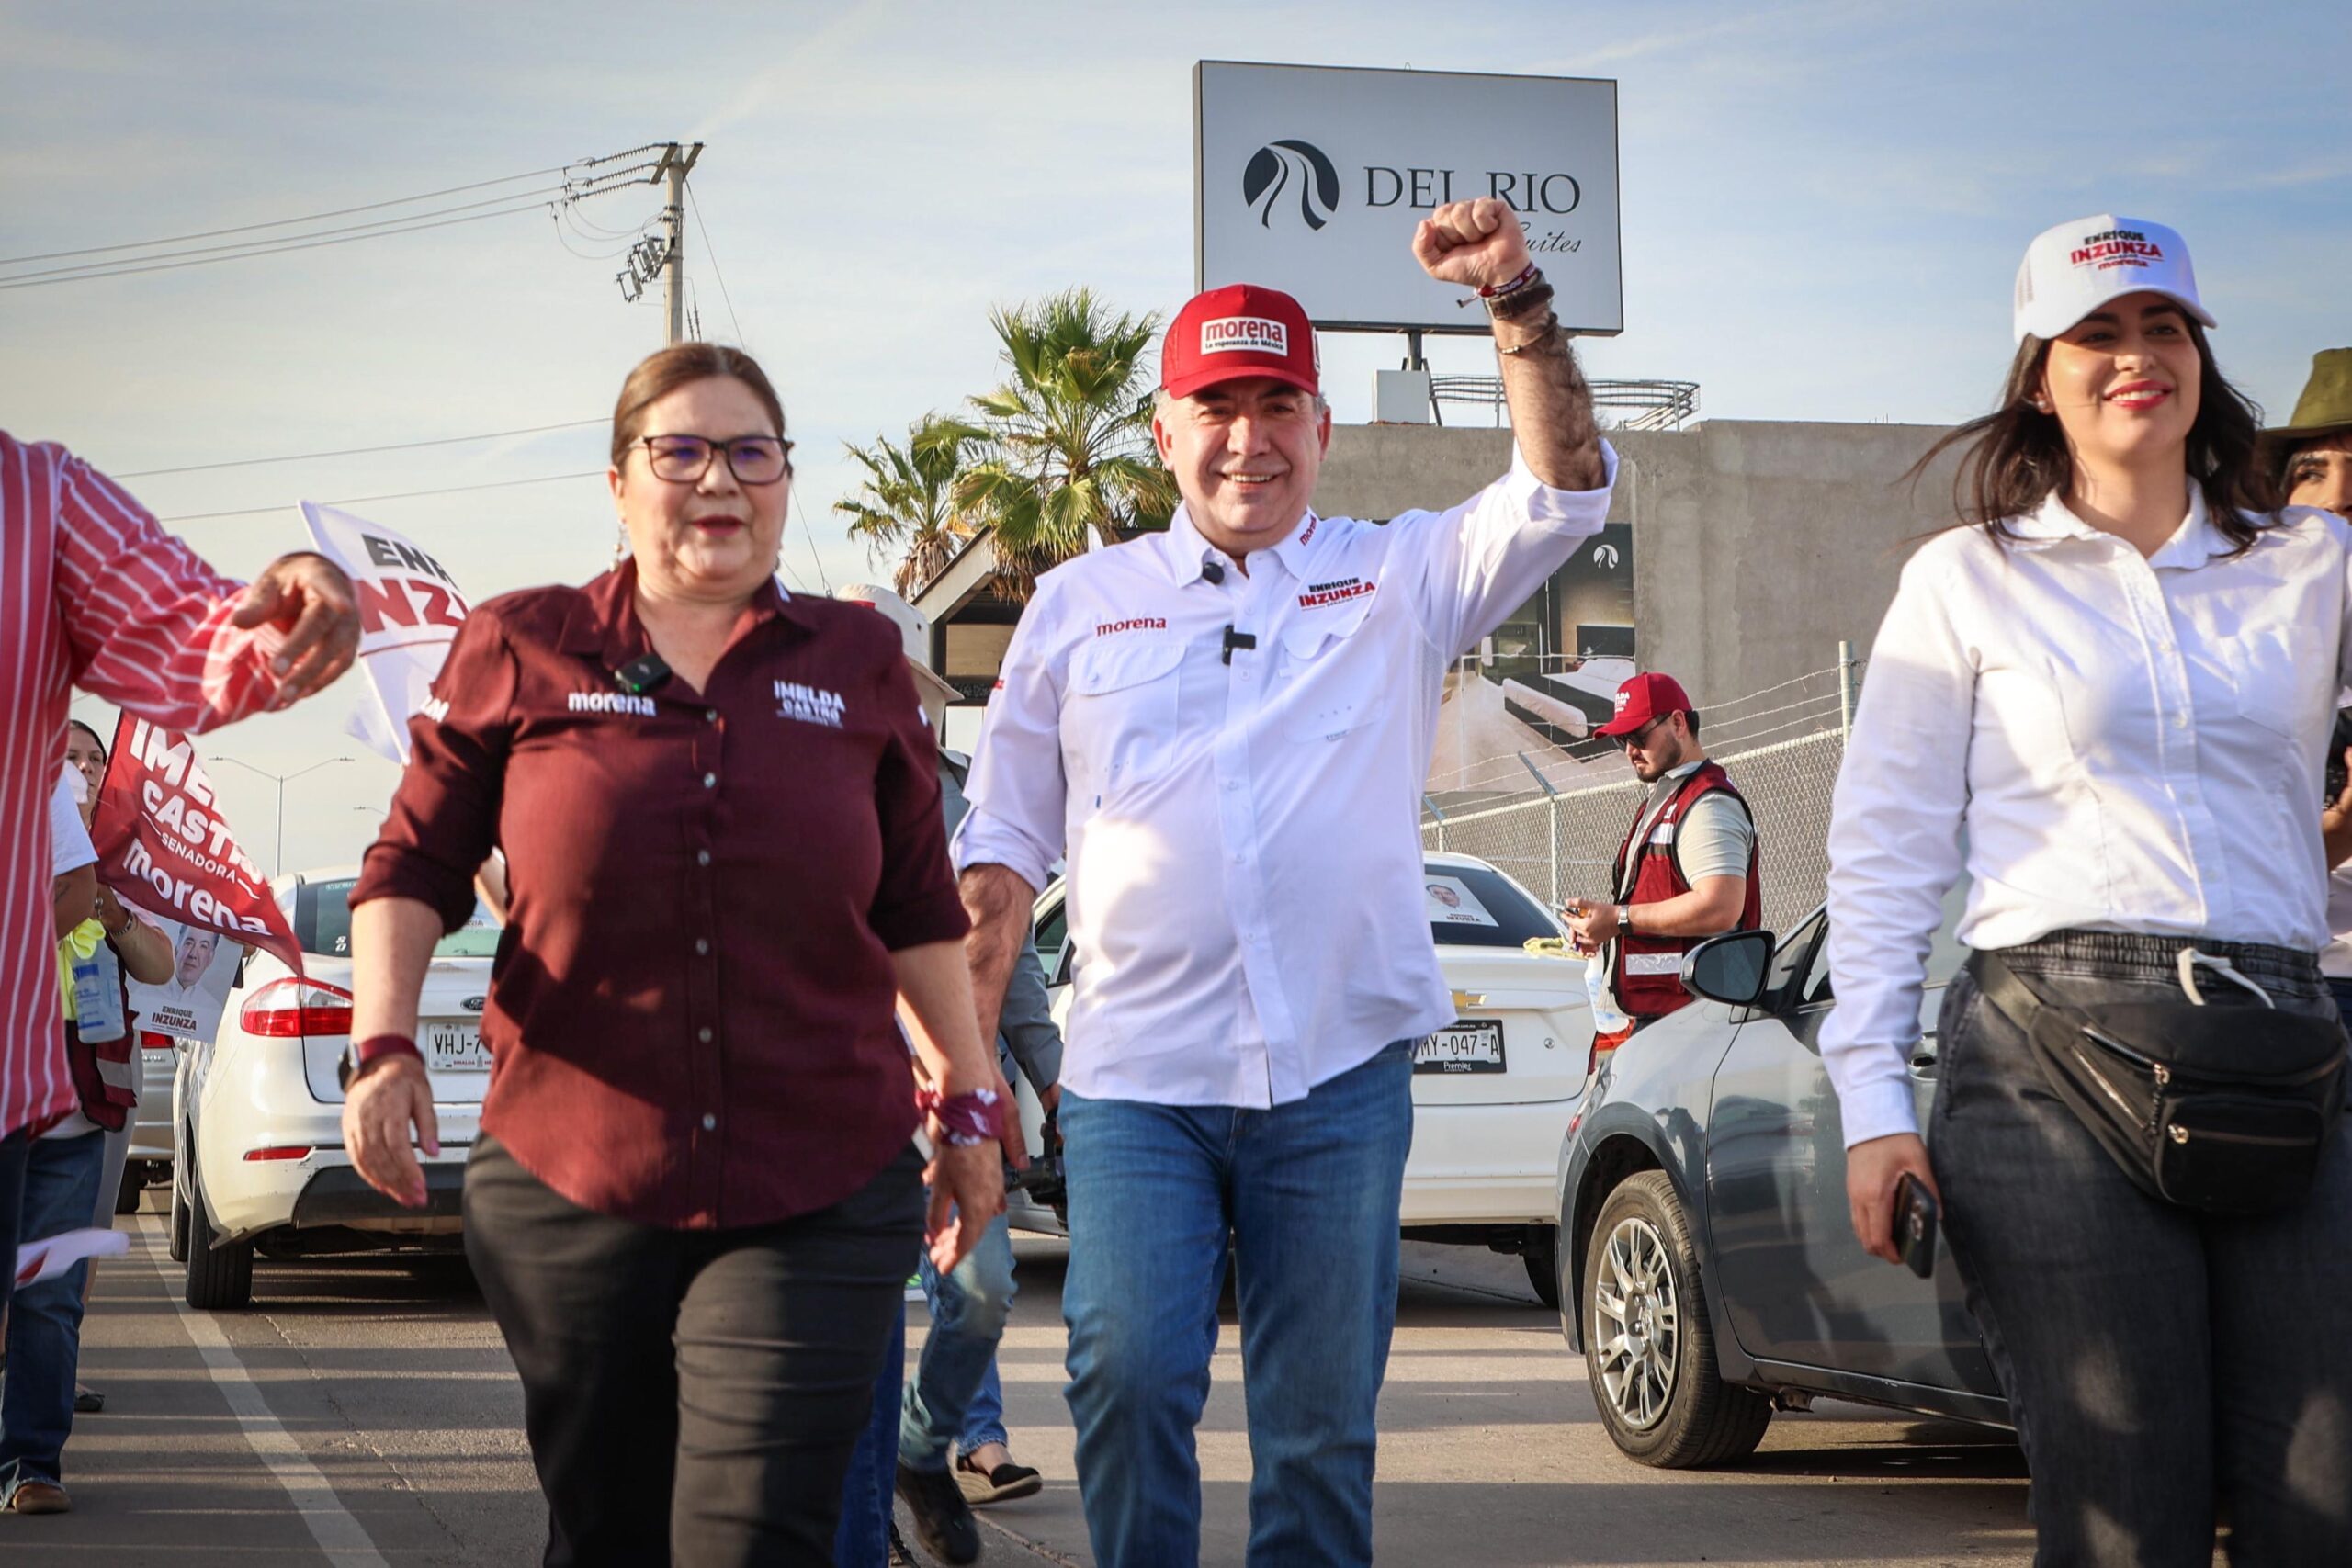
1547 335
964 1119
362 1054
1527 274
1522 302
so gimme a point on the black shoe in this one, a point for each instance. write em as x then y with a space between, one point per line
899 1556
87 1401
942 1519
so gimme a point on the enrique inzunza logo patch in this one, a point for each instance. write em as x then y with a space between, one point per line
1245 334
809 705
610 702
1335 592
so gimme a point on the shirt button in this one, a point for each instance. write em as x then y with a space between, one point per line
710 716
709 1123
702 857
703 1034
702 944
710 781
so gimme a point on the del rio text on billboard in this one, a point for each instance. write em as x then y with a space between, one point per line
1310 179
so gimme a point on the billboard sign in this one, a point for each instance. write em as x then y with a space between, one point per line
1311 179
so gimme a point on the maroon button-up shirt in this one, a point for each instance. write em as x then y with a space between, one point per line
690 1019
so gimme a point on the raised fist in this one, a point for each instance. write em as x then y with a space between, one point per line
1477 243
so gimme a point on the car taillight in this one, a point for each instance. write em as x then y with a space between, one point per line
290 1009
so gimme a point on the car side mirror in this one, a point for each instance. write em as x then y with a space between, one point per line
1731 968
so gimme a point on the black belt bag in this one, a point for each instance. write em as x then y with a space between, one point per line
2218 1103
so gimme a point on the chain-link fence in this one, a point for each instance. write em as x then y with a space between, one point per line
1564 845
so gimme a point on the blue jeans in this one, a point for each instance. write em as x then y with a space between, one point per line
968 1307
1309 1194
862 1540
45 1322
2156 1359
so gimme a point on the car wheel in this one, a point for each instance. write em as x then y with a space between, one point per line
1649 1353
1542 1257
179 1225
133 1188
220 1278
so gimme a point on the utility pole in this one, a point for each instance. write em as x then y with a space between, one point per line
675 164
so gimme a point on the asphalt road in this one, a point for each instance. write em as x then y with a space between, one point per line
364 1413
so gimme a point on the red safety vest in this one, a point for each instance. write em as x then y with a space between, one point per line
1647 975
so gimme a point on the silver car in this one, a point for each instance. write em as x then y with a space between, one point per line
1708 1269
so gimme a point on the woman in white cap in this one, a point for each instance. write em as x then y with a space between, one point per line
2105 698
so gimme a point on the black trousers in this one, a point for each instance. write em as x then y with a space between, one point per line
2157 1359
691 1396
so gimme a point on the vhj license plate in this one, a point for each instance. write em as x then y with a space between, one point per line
1472 1046
455 1047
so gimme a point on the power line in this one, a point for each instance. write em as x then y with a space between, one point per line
712 252
400 495
43 282
357 451
283 222
560 197
808 538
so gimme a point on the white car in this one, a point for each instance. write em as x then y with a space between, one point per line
149 1164
1492 1095
258 1111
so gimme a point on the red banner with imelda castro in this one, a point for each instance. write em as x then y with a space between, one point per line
162 844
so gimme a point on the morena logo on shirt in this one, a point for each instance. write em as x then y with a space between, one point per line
1136 623
610 702
809 705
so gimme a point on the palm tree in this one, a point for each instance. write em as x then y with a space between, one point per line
907 501
1068 435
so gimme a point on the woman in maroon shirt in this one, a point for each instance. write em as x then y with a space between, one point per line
694 1200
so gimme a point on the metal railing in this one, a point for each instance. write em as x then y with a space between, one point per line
1637 405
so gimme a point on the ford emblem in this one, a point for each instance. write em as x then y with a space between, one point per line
473 1004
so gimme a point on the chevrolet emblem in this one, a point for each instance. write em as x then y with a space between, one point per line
1465 1000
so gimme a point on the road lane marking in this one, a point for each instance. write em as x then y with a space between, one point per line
339 1535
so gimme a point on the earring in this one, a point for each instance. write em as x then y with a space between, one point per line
620 544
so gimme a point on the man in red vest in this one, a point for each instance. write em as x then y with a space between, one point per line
1687 870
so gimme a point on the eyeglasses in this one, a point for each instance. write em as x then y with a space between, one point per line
1642 735
684 459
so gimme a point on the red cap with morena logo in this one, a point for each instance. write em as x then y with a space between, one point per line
1242 329
1642 699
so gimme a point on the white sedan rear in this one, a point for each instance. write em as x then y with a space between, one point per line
258 1111
1492 1094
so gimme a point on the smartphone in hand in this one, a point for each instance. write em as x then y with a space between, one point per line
1914 1225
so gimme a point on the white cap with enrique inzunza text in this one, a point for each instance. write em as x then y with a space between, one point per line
2073 270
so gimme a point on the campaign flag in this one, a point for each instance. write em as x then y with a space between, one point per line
162 844
410 609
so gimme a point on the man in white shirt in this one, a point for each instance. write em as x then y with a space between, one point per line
1225 728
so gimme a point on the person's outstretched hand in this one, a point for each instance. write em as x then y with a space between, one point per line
307 597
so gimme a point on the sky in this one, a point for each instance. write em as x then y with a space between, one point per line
1822 207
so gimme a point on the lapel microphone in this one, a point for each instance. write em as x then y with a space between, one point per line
1212 571
644 673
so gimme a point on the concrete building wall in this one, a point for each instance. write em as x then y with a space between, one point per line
1756 544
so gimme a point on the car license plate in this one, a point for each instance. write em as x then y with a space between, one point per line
1472 1046
457 1048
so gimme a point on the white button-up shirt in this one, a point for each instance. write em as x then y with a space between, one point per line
2106 741
1245 888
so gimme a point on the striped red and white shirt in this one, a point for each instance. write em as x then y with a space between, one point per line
93 593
